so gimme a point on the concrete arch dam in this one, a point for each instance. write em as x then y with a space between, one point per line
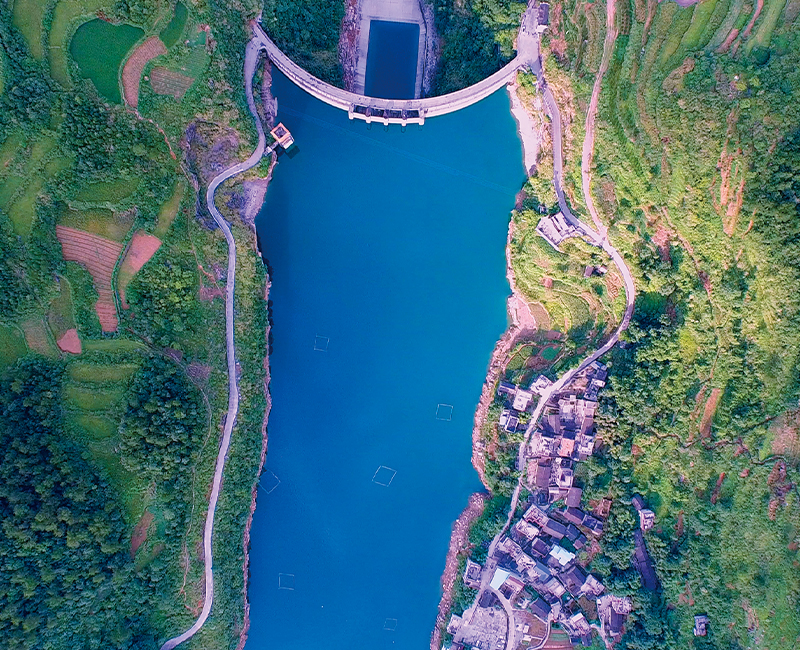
401 111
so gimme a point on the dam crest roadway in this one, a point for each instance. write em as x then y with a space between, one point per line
407 111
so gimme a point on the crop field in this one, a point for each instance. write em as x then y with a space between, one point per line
169 210
98 255
95 426
94 373
92 398
111 191
140 249
99 221
132 71
12 344
115 345
61 317
38 336
169 82
65 12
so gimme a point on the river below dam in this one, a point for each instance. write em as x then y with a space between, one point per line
388 294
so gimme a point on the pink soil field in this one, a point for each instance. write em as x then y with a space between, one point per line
70 342
98 255
142 247
132 72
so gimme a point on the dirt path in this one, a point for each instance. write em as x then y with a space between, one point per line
591 114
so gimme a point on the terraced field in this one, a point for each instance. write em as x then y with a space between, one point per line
99 256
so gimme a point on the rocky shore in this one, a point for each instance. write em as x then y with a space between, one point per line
348 43
459 539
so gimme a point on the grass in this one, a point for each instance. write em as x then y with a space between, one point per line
99 48
9 149
64 13
96 427
38 336
96 373
61 317
27 17
172 32
129 485
99 221
113 345
22 210
92 399
550 352
768 21
108 191
169 210
12 344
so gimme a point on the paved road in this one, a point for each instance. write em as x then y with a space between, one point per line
251 57
527 51
595 239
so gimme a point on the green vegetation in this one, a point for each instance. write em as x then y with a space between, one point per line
98 47
308 33
128 435
695 174
172 32
477 40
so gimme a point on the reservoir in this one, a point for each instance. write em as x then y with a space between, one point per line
392 60
388 295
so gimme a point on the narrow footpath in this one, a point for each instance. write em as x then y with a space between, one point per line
251 57
594 238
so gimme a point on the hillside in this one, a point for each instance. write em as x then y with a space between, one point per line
113 118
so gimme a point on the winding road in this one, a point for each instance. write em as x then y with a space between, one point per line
594 238
251 57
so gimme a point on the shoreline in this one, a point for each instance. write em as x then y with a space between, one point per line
458 541
255 192
522 324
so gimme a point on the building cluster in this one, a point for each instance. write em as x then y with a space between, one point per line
534 569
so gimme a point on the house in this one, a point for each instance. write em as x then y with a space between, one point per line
540 548
643 562
543 443
574 497
567 445
592 587
472 575
541 384
554 529
700 625
543 18
603 508
454 624
505 579
508 421
574 515
526 529
584 446
560 557
553 587
522 399
578 628
540 609
646 519
593 524
637 501
282 136
574 578
538 572
536 516
506 388
580 541
588 272
612 612
554 229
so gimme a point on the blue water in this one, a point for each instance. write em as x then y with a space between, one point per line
391 60
389 247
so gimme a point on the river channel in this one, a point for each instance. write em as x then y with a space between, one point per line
388 289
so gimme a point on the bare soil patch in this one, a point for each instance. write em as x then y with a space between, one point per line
756 13
141 248
787 434
132 71
708 411
139 535
167 82
70 342
98 255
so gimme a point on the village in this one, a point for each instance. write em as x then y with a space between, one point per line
532 580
